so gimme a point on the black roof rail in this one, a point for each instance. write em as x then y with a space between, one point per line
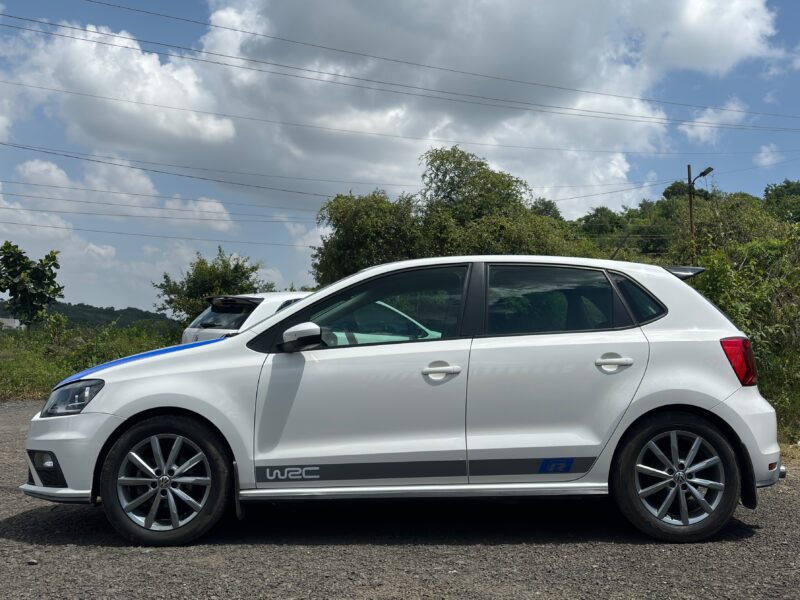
685 273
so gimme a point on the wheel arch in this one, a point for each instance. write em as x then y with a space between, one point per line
139 417
749 497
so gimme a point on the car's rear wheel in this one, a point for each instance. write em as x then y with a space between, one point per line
676 478
165 481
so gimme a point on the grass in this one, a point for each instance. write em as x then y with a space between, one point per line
31 363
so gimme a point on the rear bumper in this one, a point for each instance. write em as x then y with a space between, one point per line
754 422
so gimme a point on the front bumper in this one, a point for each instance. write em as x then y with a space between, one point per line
76 442
64 495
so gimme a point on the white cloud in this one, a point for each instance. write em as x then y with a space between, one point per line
770 98
210 212
119 72
699 130
622 47
274 275
768 156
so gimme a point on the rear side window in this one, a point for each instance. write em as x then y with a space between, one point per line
643 305
538 299
224 316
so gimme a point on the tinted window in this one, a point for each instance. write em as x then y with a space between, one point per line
527 299
409 306
225 316
643 306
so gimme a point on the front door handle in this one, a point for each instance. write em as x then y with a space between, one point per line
615 361
442 370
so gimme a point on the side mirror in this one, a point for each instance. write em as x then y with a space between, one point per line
301 336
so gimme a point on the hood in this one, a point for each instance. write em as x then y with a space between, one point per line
136 357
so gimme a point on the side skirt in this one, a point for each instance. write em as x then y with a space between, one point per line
421 491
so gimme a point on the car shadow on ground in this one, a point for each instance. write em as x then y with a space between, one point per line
379 522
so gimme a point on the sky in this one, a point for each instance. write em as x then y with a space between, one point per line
593 104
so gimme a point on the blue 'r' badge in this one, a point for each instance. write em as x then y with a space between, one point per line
556 465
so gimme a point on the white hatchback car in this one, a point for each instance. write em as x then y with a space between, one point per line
487 375
226 315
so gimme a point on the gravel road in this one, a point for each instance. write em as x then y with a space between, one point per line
575 548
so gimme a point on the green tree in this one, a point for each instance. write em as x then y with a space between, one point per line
546 208
225 274
31 285
782 200
364 231
602 221
680 189
463 185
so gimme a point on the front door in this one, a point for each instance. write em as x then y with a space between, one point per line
382 400
558 365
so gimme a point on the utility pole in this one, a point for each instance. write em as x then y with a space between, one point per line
691 214
691 181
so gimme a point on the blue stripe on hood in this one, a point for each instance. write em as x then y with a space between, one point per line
127 359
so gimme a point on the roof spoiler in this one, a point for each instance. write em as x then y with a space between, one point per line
685 273
230 300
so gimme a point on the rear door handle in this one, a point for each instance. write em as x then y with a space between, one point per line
444 370
621 361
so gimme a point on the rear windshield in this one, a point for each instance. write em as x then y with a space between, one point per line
224 316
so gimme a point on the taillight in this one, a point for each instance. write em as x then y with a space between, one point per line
740 355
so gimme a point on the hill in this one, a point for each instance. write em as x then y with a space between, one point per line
87 315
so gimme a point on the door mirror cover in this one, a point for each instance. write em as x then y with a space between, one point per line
301 336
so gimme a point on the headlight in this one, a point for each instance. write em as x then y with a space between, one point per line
72 398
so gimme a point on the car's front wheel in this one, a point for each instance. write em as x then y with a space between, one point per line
165 481
676 478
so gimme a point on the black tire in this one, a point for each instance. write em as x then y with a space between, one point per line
626 480
215 468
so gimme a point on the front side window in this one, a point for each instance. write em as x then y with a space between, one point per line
410 306
526 299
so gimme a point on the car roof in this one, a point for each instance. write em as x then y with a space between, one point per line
273 295
519 258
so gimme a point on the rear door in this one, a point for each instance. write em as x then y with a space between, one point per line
559 362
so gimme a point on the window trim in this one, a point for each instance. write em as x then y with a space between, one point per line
616 297
645 290
267 341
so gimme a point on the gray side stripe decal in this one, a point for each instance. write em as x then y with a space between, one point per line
346 471
421 469
530 466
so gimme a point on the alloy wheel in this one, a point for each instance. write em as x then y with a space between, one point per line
680 478
164 482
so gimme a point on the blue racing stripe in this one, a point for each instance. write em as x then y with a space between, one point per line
127 359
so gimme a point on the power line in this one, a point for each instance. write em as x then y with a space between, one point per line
416 185
662 182
44 150
439 68
152 235
101 214
329 73
247 173
375 133
604 116
138 194
282 219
